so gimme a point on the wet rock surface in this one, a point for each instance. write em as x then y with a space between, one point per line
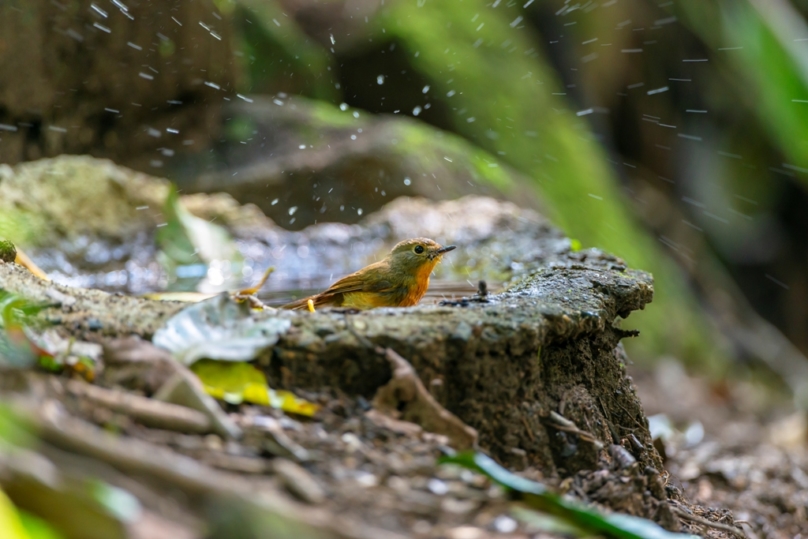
92 224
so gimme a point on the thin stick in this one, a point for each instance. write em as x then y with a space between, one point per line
150 412
704 522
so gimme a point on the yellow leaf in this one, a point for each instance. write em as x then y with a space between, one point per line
10 524
289 402
237 382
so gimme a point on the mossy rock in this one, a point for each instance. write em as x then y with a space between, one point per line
8 253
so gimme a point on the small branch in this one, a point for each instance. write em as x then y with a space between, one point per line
149 412
704 522
559 422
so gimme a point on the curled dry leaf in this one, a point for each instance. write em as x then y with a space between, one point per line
218 328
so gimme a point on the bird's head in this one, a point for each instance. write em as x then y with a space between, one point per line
411 255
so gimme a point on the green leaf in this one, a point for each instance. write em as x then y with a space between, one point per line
118 502
187 240
218 328
16 348
547 523
538 496
771 65
36 527
16 310
241 382
487 466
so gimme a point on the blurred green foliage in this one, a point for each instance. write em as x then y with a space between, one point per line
766 44
279 56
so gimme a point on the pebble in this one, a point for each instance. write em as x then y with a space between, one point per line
505 524
422 527
465 532
214 442
398 484
458 507
352 441
436 486
366 479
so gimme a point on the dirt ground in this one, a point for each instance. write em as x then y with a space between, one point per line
735 446
728 449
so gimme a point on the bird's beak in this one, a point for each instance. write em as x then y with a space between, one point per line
439 252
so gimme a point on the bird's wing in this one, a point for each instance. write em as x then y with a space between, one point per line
373 278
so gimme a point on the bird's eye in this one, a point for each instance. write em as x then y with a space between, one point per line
419 249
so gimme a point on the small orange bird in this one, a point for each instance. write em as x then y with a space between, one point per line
400 280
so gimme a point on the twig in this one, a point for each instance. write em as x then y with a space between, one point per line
253 290
559 422
704 522
149 412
